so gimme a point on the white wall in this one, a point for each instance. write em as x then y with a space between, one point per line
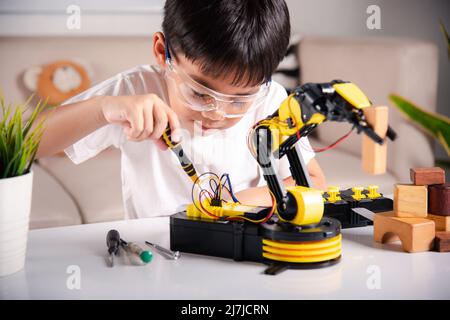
34 18
344 18
399 18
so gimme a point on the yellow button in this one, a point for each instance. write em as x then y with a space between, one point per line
373 194
357 193
333 193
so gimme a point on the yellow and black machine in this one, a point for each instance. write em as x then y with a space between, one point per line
302 228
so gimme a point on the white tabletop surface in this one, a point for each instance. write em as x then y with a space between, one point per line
367 270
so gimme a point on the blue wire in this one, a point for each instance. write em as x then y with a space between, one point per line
231 188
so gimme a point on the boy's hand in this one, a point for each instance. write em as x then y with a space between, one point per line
142 117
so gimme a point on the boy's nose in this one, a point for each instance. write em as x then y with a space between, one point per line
214 115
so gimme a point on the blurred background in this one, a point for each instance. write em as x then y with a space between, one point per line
385 47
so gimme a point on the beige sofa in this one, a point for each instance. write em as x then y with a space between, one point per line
66 194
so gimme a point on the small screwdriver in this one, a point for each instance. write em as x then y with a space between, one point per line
113 243
165 252
186 164
146 256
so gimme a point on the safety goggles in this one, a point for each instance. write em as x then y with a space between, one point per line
201 98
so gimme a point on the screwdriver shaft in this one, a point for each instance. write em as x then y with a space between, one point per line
171 254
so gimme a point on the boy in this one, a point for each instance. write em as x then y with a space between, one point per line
212 83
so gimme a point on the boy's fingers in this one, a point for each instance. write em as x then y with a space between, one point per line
147 114
159 122
174 124
126 128
172 119
136 119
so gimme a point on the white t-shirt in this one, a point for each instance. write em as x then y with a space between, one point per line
153 183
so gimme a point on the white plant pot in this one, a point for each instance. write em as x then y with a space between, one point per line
15 205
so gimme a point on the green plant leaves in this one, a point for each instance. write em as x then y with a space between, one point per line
434 124
19 141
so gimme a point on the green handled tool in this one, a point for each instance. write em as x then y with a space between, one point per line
144 255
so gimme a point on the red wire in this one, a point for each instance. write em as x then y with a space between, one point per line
271 211
336 143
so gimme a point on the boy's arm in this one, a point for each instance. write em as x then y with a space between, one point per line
67 124
142 117
260 195
316 174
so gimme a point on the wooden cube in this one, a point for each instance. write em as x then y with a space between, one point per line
442 242
416 234
410 201
427 176
442 222
439 199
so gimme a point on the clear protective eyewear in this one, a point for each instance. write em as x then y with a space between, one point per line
201 98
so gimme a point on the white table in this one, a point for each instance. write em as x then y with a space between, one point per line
364 265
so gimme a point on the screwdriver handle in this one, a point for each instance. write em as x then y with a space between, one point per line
113 241
186 164
167 138
146 256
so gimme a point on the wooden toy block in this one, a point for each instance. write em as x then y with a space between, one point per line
374 156
410 201
416 234
442 242
442 222
439 199
427 176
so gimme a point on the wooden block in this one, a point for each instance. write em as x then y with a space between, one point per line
439 199
416 234
442 222
410 201
374 156
427 176
442 242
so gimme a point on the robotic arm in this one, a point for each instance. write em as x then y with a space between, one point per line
299 236
275 137
298 115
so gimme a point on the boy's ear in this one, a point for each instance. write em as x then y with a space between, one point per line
159 46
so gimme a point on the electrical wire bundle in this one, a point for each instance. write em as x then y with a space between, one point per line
209 189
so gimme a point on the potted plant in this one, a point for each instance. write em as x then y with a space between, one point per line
19 141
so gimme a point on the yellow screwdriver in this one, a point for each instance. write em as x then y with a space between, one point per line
186 164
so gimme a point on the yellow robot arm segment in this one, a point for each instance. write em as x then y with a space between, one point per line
352 94
290 108
310 205
288 121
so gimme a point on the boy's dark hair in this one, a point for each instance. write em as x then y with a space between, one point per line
248 38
